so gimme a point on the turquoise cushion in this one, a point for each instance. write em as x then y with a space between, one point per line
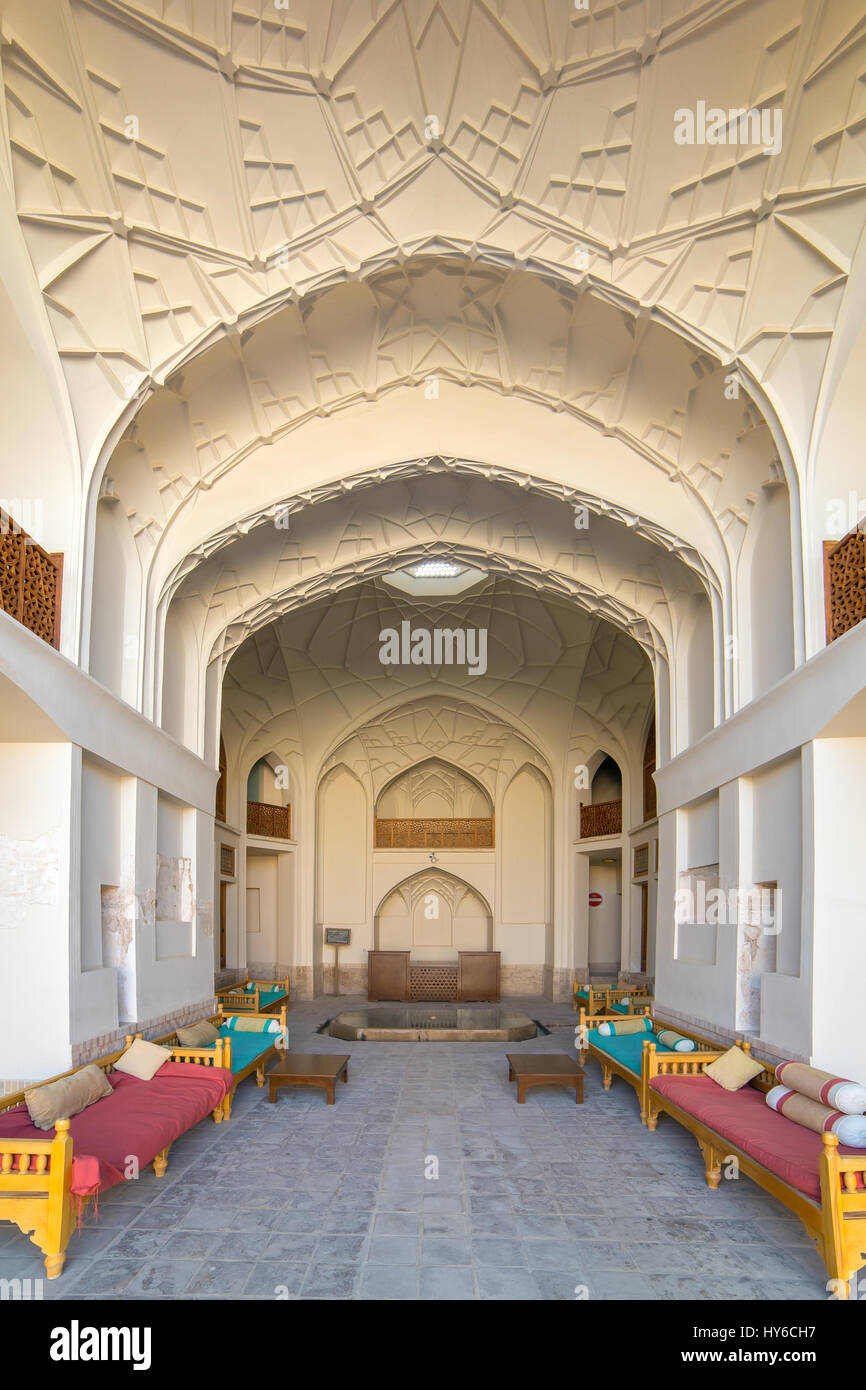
627 1049
247 1046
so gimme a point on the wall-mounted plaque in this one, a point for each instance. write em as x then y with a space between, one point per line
337 936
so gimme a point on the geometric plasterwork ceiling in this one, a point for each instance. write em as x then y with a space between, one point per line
431 326
553 673
612 571
180 168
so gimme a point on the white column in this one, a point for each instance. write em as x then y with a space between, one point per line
835 843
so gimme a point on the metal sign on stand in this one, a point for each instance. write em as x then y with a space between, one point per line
337 937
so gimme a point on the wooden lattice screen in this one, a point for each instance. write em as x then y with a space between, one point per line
602 818
445 832
30 581
650 805
641 860
844 583
275 821
220 805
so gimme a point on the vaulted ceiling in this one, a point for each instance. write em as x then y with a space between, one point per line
181 166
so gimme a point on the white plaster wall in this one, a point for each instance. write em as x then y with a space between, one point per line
39 883
525 860
838 807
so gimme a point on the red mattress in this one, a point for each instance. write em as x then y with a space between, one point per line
744 1118
139 1120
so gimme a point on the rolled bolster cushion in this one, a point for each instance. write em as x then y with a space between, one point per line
834 1091
242 1023
624 1026
850 1130
675 1042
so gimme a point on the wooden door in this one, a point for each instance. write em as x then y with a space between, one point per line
387 974
644 925
223 893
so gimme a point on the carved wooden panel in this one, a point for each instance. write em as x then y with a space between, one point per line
387 974
220 804
603 818
458 832
30 581
641 860
433 982
275 821
227 860
650 805
844 583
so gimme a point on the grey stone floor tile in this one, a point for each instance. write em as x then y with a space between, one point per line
329 1281
514 1284
273 1279
445 1250
392 1250
396 1223
444 1282
388 1282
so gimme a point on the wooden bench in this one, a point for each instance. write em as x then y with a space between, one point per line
270 1050
612 1066
237 999
36 1174
836 1221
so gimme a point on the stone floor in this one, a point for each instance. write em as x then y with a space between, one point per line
547 1200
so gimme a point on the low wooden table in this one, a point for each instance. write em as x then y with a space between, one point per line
544 1069
309 1069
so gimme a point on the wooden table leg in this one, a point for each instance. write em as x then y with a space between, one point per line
273 1089
329 1087
521 1091
346 1072
578 1091
510 1072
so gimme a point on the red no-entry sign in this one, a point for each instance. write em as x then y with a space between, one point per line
596 899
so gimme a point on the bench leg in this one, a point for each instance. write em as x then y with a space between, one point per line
606 1077
329 1089
652 1116
160 1162
712 1164
521 1091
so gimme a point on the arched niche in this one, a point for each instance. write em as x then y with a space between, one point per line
434 915
433 789
525 933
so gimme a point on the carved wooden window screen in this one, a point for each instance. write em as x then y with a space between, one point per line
30 581
641 860
273 821
442 832
227 860
602 818
844 583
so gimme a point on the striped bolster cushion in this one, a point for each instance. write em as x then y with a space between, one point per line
849 1129
833 1091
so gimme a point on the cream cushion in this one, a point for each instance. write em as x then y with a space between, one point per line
143 1060
68 1096
201 1034
734 1069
